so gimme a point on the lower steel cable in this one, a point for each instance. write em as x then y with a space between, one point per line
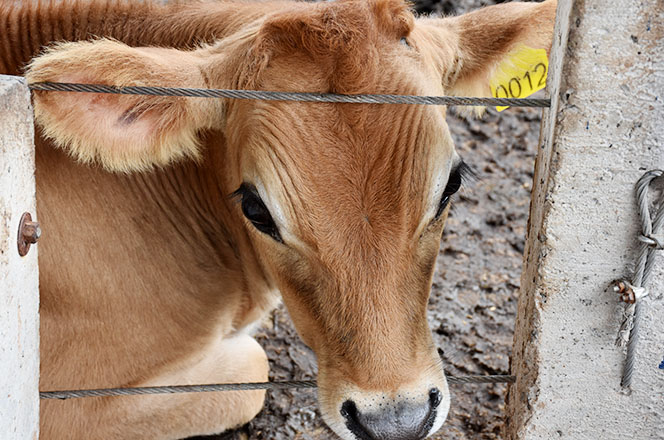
281 385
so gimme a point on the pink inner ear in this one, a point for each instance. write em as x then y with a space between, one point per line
122 132
112 117
106 119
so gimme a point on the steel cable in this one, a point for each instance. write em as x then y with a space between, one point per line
288 96
280 385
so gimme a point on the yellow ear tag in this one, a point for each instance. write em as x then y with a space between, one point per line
520 74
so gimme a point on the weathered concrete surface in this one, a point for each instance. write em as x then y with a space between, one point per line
19 277
604 129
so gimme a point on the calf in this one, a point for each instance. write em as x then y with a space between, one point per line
172 225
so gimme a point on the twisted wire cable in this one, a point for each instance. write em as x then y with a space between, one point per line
289 96
280 385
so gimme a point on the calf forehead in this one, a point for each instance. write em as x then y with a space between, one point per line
328 28
349 172
346 42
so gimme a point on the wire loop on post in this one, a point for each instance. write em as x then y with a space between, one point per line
651 240
656 241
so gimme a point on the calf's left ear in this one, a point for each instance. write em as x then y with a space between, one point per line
468 49
122 132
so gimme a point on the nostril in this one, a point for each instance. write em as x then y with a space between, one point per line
435 397
349 410
351 414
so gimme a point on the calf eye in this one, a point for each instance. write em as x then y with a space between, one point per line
256 212
453 184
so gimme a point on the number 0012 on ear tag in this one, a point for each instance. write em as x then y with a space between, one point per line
520 74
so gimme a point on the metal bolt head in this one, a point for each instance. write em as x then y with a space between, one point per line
28 233
625 290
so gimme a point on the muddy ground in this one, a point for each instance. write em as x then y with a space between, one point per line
475 288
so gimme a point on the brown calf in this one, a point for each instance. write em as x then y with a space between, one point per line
173 224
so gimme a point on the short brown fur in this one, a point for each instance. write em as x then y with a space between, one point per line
165 274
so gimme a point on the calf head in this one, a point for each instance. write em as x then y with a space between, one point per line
343 203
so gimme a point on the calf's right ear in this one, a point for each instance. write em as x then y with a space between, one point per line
468 49
123 132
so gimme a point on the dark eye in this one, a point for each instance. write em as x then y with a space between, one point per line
404 41
256 212
453 184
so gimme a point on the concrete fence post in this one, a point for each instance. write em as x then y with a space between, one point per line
605 128
19 276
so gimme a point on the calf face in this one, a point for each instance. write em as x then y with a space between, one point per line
344 204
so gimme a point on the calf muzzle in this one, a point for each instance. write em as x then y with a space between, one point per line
401 420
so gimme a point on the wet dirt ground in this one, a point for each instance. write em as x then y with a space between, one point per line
475 288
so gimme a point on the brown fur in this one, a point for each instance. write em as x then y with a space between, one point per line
150 277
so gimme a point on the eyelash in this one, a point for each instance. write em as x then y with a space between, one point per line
457 176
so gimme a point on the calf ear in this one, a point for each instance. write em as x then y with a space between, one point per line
122 132
469 48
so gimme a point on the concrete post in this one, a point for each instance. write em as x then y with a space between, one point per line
604 129
19 276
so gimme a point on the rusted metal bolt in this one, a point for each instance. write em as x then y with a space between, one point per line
28 233
625 291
